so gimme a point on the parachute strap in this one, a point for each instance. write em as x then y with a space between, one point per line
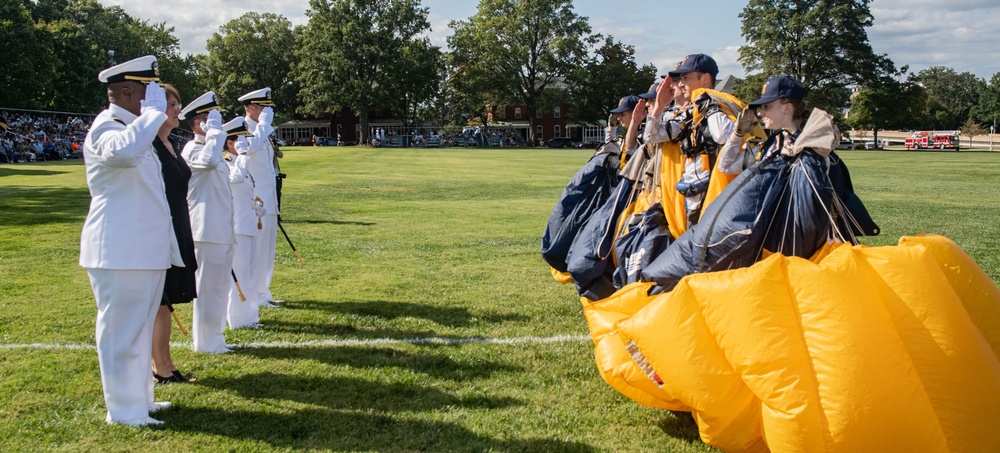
643 363
729 105
705 244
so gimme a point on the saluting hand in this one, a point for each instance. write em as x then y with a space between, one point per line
242 145
746 121
664 94
639 113
214 120
266 116
156 99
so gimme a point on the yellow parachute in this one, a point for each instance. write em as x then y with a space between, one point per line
858 349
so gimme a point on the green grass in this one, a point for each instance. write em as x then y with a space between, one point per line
398 244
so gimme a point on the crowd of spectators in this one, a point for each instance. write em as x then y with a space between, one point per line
33 137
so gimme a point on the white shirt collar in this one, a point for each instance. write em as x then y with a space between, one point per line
120 112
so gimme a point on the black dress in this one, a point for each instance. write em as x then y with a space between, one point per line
179 287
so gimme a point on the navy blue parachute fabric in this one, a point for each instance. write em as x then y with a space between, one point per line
590 187
647 237
856 219
780 204
588 257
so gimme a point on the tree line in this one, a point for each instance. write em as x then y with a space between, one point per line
367 55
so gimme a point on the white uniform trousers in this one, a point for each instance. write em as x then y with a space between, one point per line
244 313
127 302
213 279
266 243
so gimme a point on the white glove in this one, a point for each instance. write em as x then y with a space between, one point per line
156 99
214 120
266 116
259 210
242 145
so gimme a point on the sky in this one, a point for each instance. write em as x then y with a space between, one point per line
960 34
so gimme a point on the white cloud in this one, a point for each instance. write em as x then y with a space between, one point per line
195 21
957 34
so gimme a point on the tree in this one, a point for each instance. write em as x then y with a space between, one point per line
970 128
598 84
349 54
821 43
112 29
416 82
520 47
68 41
251 52
987 109
887 104
24 56
951 96
75 87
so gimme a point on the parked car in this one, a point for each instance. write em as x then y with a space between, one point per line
303 141
326 141
845 143
560 142
870 144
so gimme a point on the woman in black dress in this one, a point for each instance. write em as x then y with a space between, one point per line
179 287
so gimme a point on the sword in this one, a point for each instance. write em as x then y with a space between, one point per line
299 257
238 289
178 319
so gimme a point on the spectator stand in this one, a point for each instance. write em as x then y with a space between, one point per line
37 135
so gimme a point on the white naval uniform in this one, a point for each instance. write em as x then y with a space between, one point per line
126 245
262 171
210 203
243 313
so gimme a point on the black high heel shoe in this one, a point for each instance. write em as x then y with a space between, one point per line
163 379
178 377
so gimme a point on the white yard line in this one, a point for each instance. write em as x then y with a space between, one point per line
336 343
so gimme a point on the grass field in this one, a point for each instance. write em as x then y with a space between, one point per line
399 245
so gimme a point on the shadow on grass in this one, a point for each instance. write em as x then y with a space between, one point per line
680 425
347 393
25 171
20 206
439 366
445 316
327 222
320 429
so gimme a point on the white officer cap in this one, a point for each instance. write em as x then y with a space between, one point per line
259 97
236 127
142 69
203 104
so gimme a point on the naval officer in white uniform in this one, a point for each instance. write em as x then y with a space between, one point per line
127 243
247 210
259 116
210 203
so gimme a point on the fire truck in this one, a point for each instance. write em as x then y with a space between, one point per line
933 139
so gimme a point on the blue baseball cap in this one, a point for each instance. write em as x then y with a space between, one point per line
698 62
780 87
651 94
627 103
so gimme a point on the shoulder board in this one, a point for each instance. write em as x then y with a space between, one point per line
199 142
119 120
